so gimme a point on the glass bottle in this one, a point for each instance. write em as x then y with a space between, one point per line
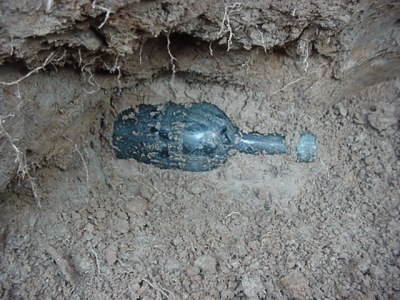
194 137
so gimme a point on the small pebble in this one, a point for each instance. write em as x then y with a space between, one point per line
111 255
342 110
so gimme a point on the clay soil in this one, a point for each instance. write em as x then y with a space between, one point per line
77 223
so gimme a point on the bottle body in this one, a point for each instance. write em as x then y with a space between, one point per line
192 136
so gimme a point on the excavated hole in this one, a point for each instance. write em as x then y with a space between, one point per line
257 226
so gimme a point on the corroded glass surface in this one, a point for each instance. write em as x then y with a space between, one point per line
190 136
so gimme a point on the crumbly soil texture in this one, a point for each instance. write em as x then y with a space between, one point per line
77 223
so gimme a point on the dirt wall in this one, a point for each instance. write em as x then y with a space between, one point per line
77 223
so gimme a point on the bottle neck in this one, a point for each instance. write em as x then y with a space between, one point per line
254 143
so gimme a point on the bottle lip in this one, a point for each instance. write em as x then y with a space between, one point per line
307 147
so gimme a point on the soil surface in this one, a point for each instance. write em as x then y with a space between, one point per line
77 223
